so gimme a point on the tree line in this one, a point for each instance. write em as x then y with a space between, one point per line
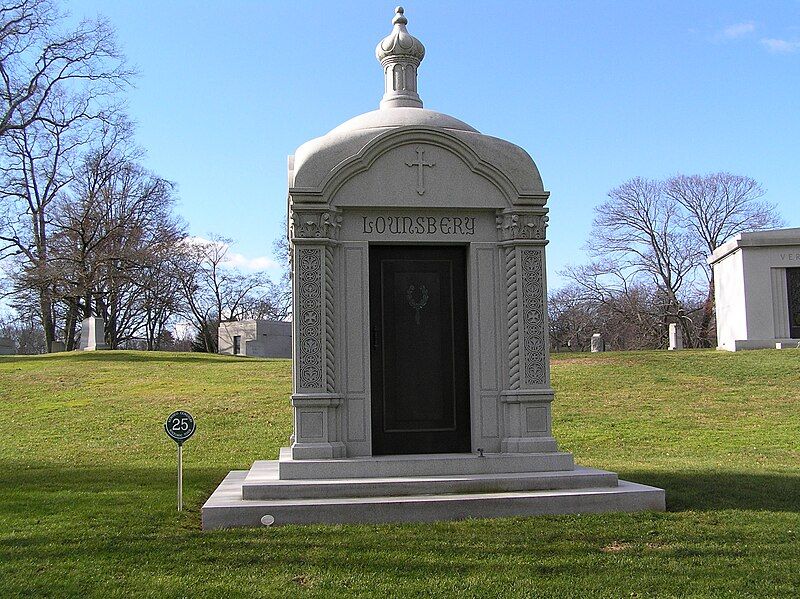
647 266
85 229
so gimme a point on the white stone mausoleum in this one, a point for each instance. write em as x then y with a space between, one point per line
256 338
421 379
757 290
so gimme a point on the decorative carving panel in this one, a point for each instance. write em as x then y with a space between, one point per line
309 273
316 225
524 225
533 315
330 365
513 318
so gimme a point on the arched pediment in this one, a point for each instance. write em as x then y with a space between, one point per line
458 168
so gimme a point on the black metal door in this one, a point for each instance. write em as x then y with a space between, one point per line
418 318
793 292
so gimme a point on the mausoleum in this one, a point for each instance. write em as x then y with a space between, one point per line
256 338
421 379
757 290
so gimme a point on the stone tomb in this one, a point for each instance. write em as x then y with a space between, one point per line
757 290
675 336
258 338
598 344
421 380
93 334
7 346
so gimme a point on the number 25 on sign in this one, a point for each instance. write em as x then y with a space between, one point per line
179 427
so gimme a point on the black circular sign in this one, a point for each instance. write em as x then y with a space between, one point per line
179 426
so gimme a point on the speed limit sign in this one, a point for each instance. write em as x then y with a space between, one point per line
180 426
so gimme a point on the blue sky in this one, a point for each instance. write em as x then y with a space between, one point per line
596 92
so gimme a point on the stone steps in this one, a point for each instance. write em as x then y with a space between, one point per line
444 464
263 482
226 508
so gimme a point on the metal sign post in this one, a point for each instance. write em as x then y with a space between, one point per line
180 477
179 427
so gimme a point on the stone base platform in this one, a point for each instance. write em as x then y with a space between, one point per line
245 497
743 344
421 464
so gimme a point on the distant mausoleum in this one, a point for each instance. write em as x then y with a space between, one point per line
757 290
257 338
7 346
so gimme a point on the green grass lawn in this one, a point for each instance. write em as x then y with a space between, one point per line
87 486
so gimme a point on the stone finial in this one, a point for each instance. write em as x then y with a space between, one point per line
400 54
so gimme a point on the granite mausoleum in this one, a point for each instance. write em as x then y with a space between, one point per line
93 336
757 290
421 379
256 338
7 346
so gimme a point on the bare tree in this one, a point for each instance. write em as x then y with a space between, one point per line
637 240
115 232
25 330
212 290
40 60
37 167
281 291
649 245
717 206
56 88
630 313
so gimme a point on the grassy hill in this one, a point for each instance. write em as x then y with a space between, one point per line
87 486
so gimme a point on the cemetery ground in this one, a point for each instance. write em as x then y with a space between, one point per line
87 486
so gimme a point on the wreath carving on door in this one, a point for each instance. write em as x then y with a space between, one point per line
417 304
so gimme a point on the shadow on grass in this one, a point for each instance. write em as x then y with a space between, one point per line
82 531
700 491
704 490
134 357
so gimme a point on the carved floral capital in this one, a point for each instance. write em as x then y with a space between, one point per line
316 224
523 225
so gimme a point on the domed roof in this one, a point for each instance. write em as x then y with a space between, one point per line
401 108
402 117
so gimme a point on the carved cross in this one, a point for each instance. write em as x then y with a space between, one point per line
420 164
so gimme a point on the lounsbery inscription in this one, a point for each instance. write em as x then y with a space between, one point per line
419 225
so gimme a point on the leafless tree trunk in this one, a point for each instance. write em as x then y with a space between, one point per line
649 245
36 169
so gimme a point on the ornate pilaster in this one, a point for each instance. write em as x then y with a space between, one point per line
317 422
514 372
527 396
309 318
534 297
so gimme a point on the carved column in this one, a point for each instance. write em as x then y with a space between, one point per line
317 420
527 393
